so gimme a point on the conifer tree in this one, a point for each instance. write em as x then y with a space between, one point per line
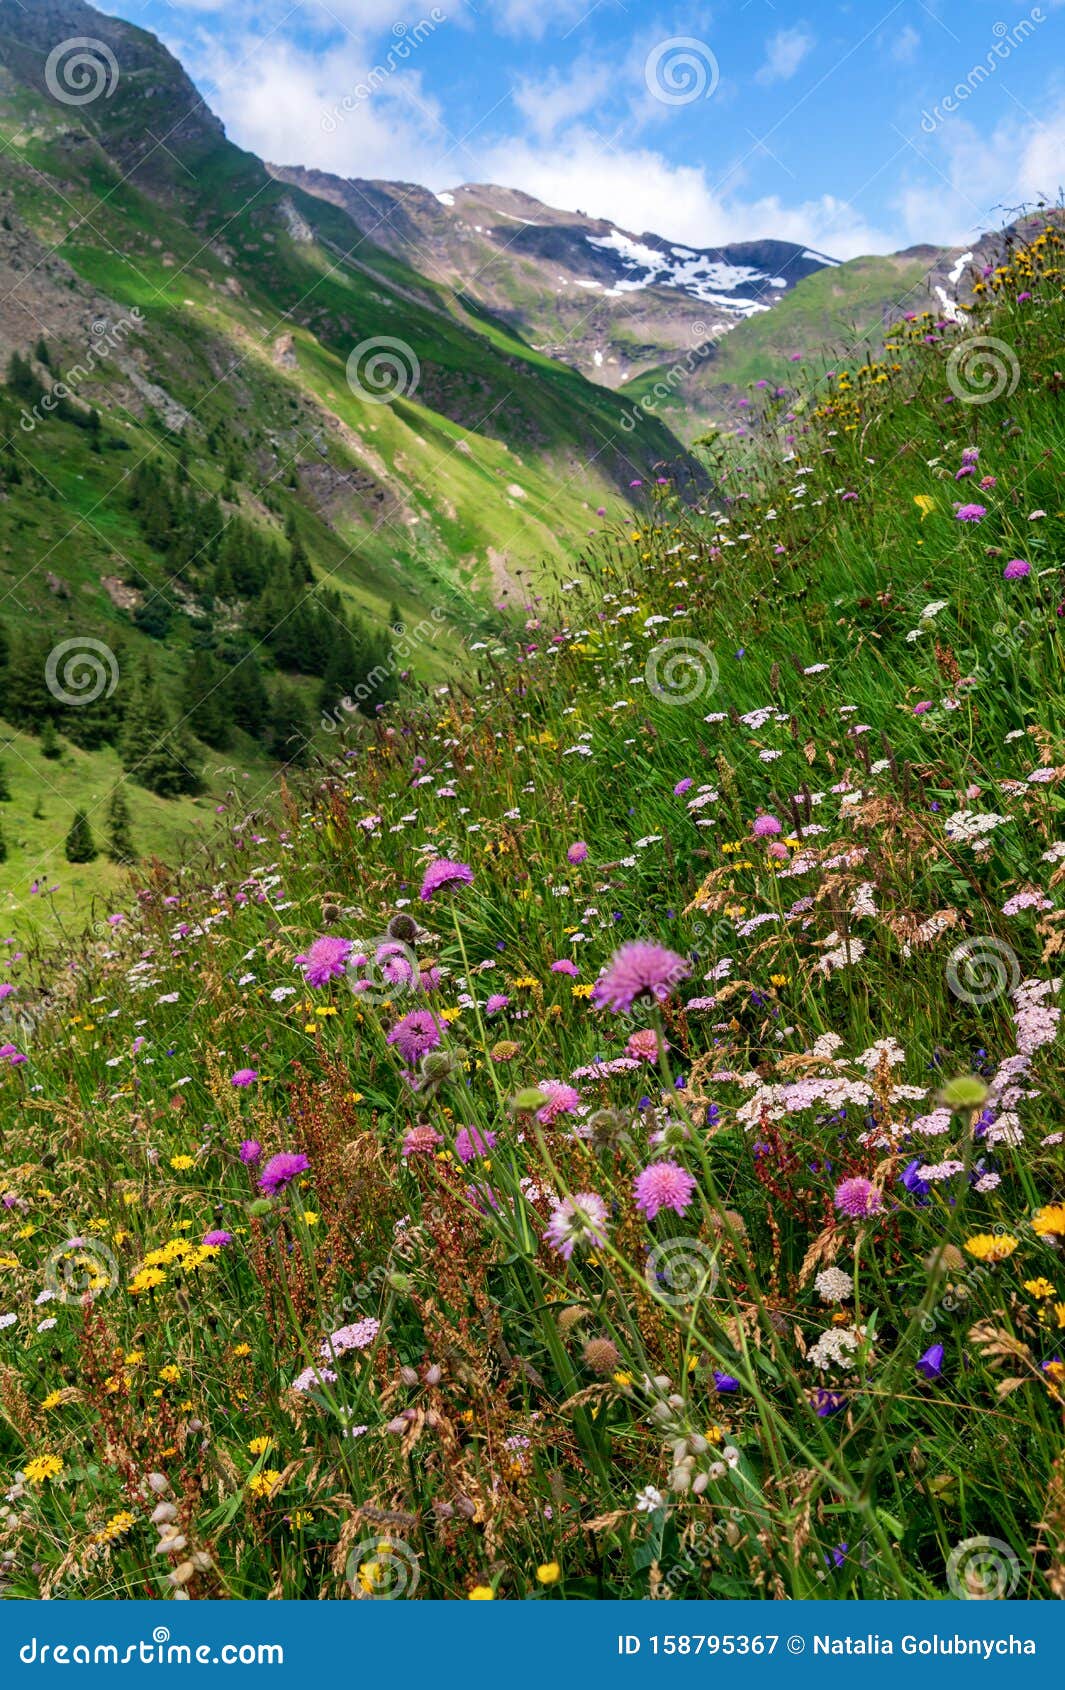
80 846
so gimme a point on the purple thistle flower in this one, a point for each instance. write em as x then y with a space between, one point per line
858 1198
663 1185
281 1170
445 875
639 969
416 1034
325 960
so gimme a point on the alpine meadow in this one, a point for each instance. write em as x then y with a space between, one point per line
532 839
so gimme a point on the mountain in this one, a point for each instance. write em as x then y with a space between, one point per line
238 439
612 303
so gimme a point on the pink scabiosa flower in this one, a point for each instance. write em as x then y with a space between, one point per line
561 1100
664 1185
640 969
250 1150
923 708
858 1198
496 1002
643 1045
417 1033
577 1220
970 513
577 852
1016 569
470 1143
763 826
421 1141
683 786
325 960
244 1077
443 875
217 1240
281 1170
564 966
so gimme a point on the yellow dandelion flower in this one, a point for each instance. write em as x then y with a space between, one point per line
261 1484
146 1280
117 1526
991 1247
481 1593
549 1573
1040 1288
170 1373
1051 1218
242 1349
259 1446
623 1380
44 1467
182 1163
53 1399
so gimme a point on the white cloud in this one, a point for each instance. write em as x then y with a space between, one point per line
905 44
980 178
640 190
548 103
784 54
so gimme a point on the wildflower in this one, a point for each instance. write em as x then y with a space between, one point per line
259 1446
281 1170
470 1143
834 1285
244 1077
1016 569
261 1484
648 1499
639 969
663 1185
559 1099
1050 1220
325 960
182 1163
564 966
496 1002
358 1336
217 1240
44 1467
643 1045
549 1573
763 826
581 1219
481 1593
1039 1288
421 1140
725 1383
931 1363
601 1355
444 875
416 1035
858 1198
577 852
970 513
991 1247
250 1150
117 1526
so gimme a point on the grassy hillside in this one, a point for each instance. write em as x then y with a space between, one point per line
378 1222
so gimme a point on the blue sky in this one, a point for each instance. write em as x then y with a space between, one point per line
862 126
